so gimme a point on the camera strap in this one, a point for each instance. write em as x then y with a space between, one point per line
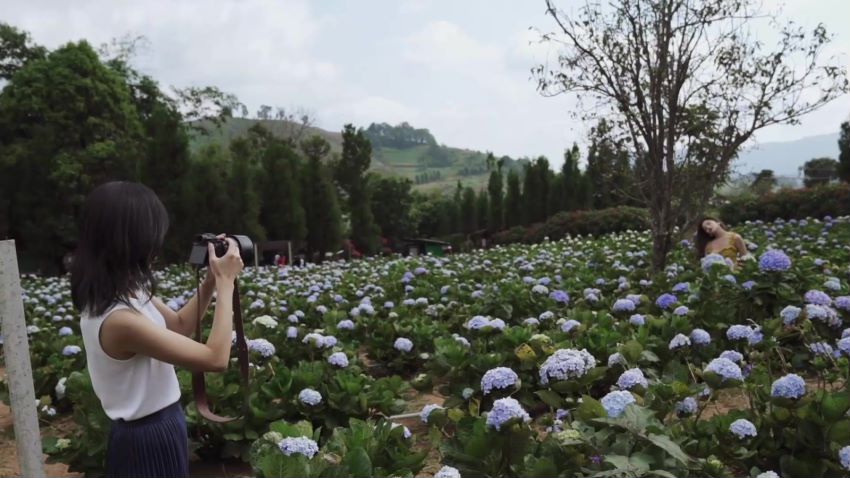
199 386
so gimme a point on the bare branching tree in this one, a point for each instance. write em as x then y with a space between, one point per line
202 105
688 84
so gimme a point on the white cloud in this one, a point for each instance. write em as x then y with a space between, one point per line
444 45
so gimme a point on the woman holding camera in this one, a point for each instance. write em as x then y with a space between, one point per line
133 340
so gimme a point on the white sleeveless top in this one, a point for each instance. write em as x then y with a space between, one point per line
133 388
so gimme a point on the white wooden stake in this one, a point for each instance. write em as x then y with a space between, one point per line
18 367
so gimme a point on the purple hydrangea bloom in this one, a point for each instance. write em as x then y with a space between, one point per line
65 331
504 410
732 355
708 261
338 359
498 378
345 325
700 337
623 305
726 369
821 348
739 332
70 350
844 346
844 457
774 260
742 428
632 378
817 297
569 325
566 363
682 287
298 445
679 341
665 301
789 314
308 396
262 347
426 411
637 320
447 472
790 386
560 296
748 285
681 311
477 322
616 358
403 344
688 406
616 402
843 303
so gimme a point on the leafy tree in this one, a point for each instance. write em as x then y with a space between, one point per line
202 196
16 50
688 84
431 213
456 209
535 191
494 187
608 171
243 207
282 213
324 225
571 179
482 209
392 200
513 200
844 152
350 172
819 171
67 124
763 182
468 214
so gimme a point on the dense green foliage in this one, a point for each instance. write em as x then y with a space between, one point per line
789 204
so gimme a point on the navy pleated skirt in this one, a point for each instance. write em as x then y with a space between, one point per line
151 447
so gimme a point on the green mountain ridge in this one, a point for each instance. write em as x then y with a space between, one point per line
430 167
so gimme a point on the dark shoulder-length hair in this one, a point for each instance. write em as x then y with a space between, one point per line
701 238
122 230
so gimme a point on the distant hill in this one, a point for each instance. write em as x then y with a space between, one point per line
431 166
785 158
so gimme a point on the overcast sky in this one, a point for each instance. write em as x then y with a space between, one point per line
457 67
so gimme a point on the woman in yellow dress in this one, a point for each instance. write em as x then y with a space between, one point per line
713 237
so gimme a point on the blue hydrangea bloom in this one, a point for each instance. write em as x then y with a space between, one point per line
345 325
817 297
637 320
665 301
700 337
338 359
682 287
821 348
708 261
497 324
748 285
632 378
739 332
756 337
680 340
569 325
503 410
70 350
681 311
560 296
616 358
790 386
688 406
743 428
477 322
844 457
262 347
566 363
774 260
298 445
732 355
540 289
531 321
726 369
843 303
308 396
844 346
498 378
65 331
616 402
547 315
730 278
403 344
789 314
623 305
634 298
767 474
426 411
447 472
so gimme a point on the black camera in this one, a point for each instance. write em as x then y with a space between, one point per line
200 254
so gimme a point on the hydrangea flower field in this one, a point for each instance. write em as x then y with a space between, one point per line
564 358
